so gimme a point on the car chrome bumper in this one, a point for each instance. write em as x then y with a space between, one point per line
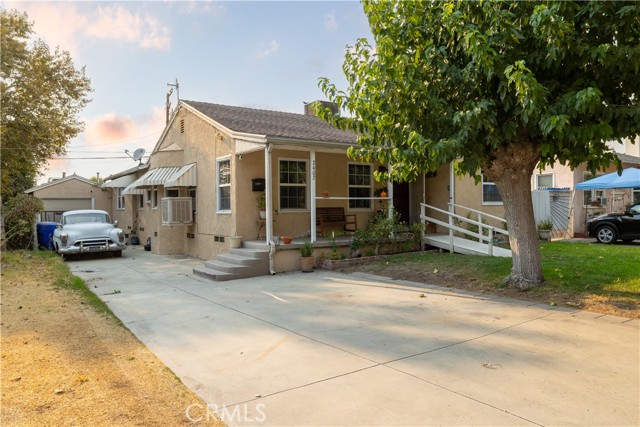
80 249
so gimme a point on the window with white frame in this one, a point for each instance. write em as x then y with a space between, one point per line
223 167
490 193
592 197
171 192
120 199
544 180
148 195
141 201
360 185
154 197
292 178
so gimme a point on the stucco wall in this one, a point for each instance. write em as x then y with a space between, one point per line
74 189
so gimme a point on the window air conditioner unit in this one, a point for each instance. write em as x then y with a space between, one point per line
177 211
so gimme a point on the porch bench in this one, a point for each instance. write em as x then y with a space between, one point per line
334 217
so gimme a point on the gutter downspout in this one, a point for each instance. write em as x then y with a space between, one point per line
269 218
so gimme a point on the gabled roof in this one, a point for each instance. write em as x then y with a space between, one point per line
273 124
61 181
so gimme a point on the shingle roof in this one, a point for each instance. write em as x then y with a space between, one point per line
626 158
273 123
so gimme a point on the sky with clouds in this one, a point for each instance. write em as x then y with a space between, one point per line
263 54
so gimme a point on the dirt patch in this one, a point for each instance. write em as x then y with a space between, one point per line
590 302
65 364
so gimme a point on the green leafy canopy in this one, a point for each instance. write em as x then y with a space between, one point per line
42 94
459 80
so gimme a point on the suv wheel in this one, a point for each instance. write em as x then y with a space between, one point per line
606 234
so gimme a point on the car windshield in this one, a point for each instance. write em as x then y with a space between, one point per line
86 217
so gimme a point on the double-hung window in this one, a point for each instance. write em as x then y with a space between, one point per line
293 184
360 185
120 199
490 193
154 197
223 167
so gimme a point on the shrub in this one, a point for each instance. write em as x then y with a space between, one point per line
19 219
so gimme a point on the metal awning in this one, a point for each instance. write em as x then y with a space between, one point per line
186 176
173 176
123 181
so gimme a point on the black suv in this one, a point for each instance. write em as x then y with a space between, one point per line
608 228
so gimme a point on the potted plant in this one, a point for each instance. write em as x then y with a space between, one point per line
235 241
261 202
306 257
544 229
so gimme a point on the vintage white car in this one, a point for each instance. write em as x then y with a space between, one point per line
84 231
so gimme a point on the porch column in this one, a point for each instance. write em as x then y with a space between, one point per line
312 160
390 193
268 191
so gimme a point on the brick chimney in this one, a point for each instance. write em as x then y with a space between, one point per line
309 107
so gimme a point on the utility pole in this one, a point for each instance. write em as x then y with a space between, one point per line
175 85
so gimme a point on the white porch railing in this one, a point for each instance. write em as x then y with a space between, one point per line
486 233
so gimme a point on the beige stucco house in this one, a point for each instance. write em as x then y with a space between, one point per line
69 193
584 205
206 172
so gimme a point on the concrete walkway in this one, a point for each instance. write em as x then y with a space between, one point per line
328 349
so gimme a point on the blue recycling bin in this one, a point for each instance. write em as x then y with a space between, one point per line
45 234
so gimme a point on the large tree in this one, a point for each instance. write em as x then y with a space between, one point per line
497 87
42 93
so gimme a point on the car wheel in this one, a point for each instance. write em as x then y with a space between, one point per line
606 234
117 254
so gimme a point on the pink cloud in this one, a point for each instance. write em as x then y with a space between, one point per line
70 26
109 128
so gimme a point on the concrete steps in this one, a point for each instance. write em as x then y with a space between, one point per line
252 260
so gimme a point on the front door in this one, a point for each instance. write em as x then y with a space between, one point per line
401 200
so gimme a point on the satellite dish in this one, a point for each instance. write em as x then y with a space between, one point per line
137 155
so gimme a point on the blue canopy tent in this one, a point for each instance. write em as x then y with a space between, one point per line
630 178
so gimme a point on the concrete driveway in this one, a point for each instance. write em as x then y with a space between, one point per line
328 349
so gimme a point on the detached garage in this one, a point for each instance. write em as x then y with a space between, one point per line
70 193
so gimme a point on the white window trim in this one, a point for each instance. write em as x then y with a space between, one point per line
120 202
482 193
141 199
370 186
218 194
307 190
154 197
553 180
148 195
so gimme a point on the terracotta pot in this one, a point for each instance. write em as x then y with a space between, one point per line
286 239
306 263
324 194
383 194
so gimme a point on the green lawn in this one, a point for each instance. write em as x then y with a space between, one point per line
567 266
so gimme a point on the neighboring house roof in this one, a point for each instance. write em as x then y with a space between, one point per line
273 124
128 171
626 158
61 181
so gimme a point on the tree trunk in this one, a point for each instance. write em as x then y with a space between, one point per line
511 170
